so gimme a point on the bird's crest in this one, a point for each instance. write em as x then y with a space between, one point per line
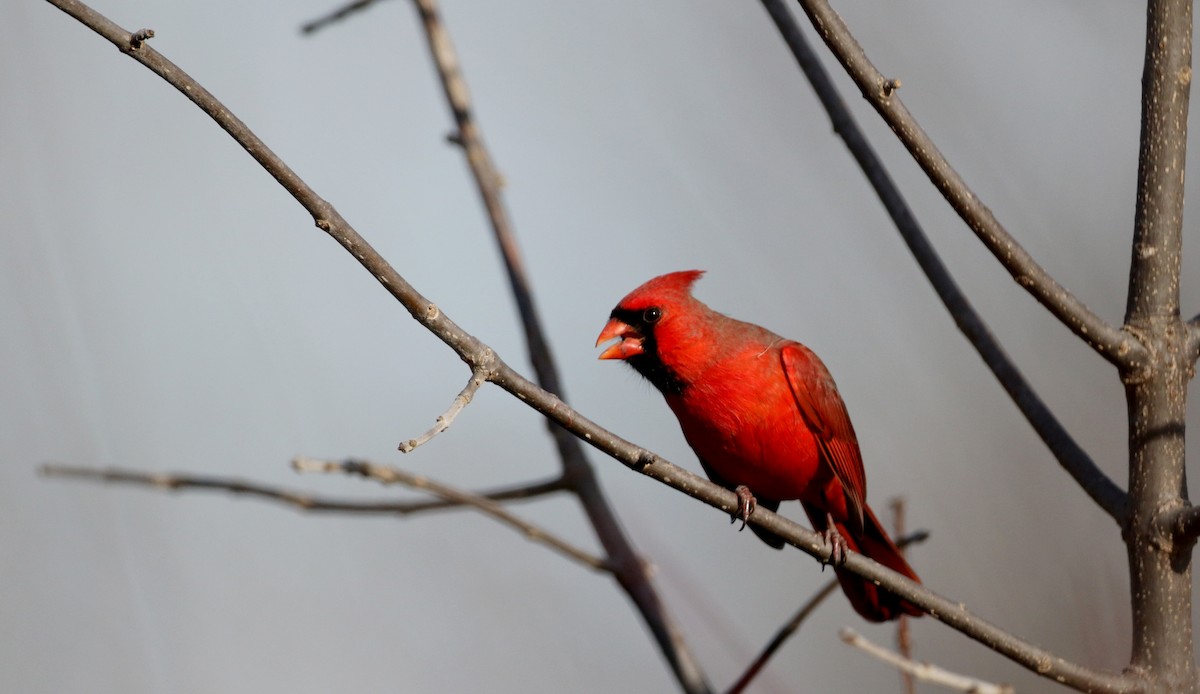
671 284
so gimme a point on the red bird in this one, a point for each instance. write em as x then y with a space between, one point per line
765 418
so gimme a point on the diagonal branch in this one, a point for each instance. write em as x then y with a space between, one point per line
793 625
924 671
1069 454
302 500
1118 347
629 567
478 355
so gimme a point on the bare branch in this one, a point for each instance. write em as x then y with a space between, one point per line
793 625
446 419
924 671
784 633
629 567
1115 345
292 497
478 356
903 626
337 15
450 497
1160 577
387 474
1069 454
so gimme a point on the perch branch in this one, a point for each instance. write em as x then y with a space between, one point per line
447 418
1077 463
793 625
478 356
924 671
1117 346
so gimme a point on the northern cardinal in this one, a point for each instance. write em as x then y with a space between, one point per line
765 418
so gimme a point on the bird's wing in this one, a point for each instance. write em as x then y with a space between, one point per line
825 414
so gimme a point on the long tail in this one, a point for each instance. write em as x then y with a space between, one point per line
869 600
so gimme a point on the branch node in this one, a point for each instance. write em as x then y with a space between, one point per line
890 86
455 138
137 38
645 459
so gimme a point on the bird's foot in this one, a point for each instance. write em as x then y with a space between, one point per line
838 548
746 505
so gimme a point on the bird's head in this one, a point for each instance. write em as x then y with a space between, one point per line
649 323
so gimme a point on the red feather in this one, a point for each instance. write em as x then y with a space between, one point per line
759 411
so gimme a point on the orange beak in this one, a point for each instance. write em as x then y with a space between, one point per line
629 345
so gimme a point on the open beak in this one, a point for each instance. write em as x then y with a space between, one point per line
630 343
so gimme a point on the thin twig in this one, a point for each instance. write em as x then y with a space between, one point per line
793 625
924 671
176 481
447 418
1069 454
393 475
1114 344
337 15
629 567
478 355
449 497
903 628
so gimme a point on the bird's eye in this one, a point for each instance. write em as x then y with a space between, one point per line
652 314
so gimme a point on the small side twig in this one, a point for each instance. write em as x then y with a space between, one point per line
447 418
392 475
925 672
450 497
337 15
903 625
793 625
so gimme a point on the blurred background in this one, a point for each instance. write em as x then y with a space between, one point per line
166 306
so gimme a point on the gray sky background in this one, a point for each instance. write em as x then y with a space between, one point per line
166 306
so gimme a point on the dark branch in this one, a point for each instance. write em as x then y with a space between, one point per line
1069 454
793 625
477 355
337 15
1111 342
628 566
